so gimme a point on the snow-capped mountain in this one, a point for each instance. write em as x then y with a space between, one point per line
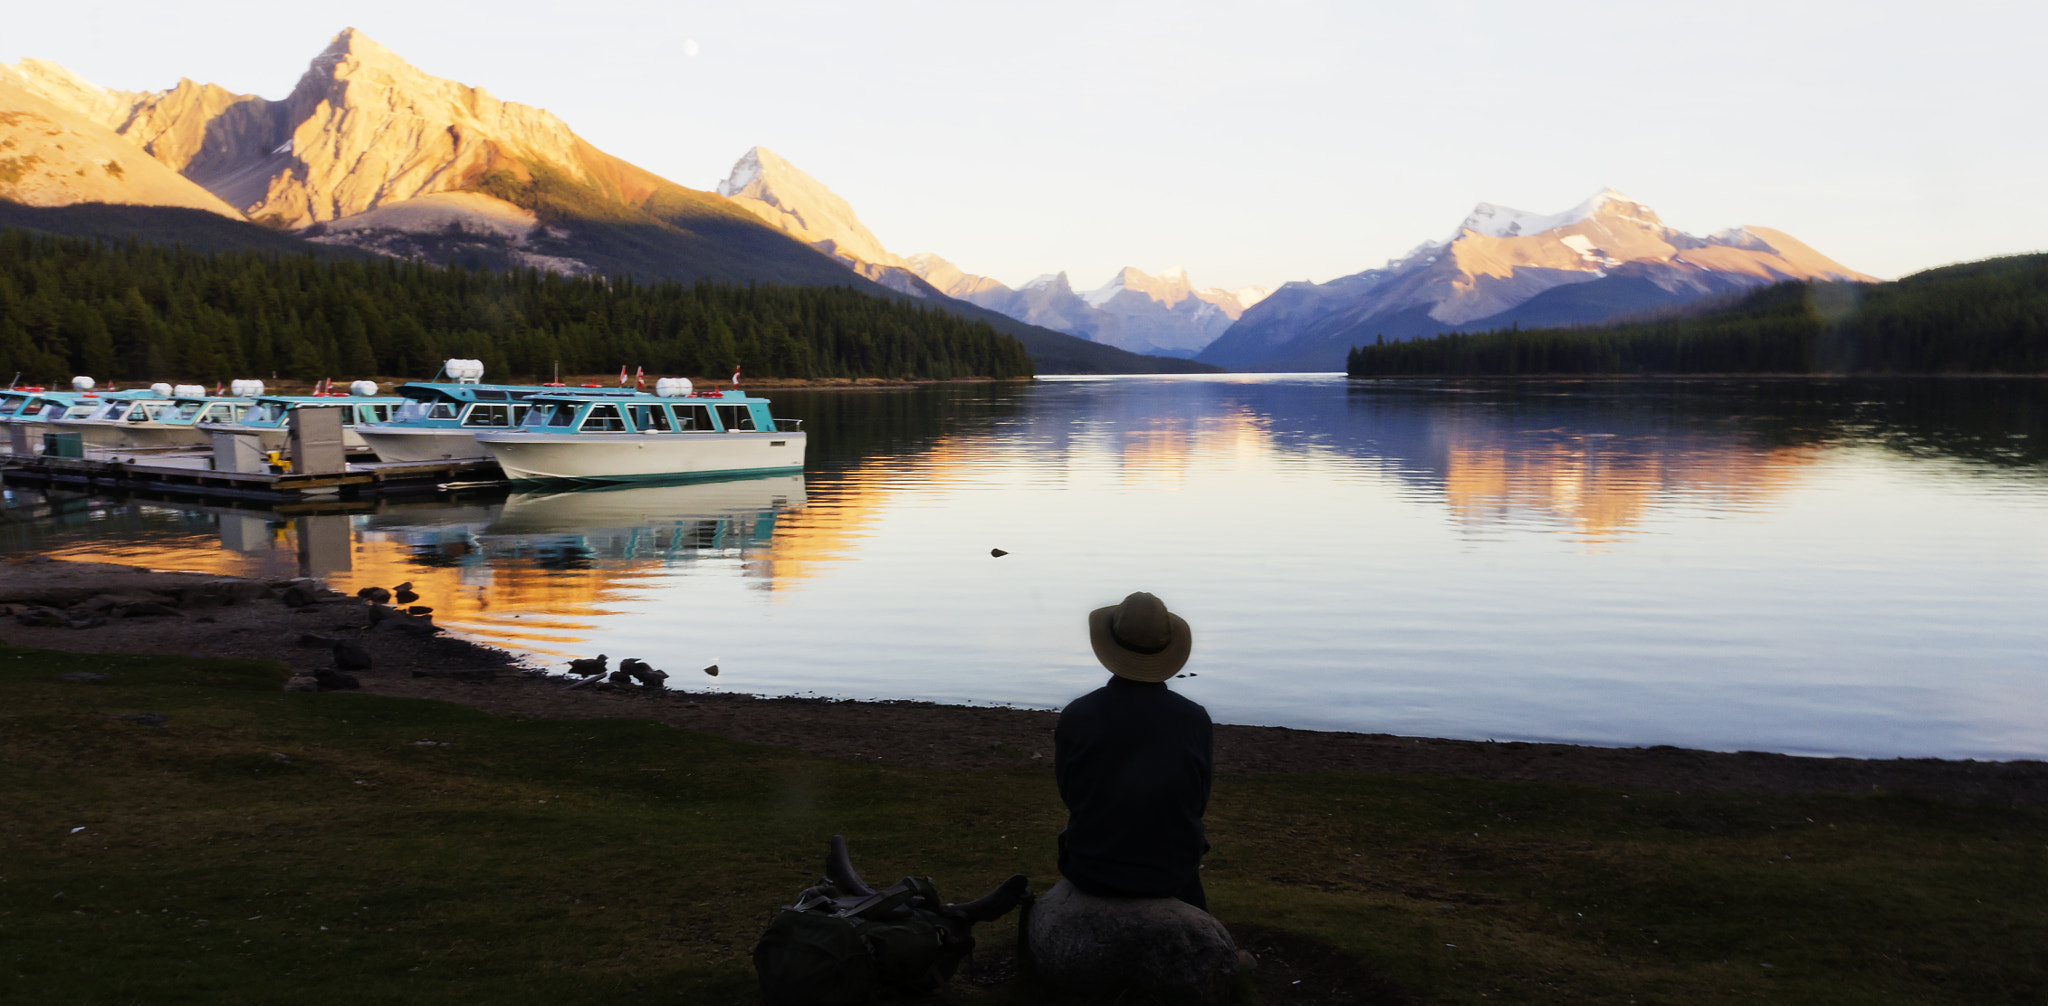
1608 257
1160 314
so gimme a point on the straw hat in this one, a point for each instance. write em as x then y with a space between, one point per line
1139 639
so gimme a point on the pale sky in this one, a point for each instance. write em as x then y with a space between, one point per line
1252 144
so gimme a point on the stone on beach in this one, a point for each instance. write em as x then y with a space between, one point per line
1160 948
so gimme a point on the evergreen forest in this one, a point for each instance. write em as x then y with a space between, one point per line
1978 318
129 311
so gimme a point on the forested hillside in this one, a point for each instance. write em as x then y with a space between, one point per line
132 311
1982 317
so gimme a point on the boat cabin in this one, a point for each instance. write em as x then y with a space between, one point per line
649 414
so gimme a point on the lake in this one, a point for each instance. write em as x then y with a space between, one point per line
1807 566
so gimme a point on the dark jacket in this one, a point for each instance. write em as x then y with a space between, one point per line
1134 761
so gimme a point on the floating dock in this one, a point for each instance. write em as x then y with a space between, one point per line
191 473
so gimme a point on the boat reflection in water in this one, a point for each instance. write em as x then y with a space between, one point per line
661 522
541 571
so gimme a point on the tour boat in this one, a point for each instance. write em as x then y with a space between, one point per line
584 436
437 420
270 418
37 408
171 417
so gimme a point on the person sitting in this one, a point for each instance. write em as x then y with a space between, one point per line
1134 763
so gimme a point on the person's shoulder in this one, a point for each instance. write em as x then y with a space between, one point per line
1187 705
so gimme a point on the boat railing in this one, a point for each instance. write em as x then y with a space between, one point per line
789 425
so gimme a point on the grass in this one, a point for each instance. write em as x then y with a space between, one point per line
263 846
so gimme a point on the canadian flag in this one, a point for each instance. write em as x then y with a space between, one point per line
639 377
218 387
735 376
622 375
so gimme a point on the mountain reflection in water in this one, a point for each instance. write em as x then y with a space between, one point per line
1818 566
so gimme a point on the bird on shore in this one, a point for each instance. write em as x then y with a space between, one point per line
587 666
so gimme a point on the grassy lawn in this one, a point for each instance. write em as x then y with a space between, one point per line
262 846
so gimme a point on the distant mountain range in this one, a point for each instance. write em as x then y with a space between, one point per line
370 153
1134 311
1606 259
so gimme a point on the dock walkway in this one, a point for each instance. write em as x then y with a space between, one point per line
190 472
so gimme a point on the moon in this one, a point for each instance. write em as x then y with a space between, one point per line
689 47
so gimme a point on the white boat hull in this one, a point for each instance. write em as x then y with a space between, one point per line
632 457
421 444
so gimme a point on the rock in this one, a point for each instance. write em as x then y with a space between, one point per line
350 656
406 597
418 609
374 595
316 641
418 625
996 553
331 680
712 670
378 613
43 618
85 621
302 683
1157 948
299 596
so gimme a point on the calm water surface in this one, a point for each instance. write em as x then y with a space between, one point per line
1804 566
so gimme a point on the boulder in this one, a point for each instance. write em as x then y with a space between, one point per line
331 680
302 683
350 656
1158 948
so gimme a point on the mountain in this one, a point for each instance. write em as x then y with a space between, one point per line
785 198
371 154
1136 311
53 155
1605 259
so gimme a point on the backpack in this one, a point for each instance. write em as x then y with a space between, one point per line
842 943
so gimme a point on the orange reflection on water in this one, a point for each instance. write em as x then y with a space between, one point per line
1604 487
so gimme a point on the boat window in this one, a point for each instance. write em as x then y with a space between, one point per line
411 412
443 409
563 416
268 414
649 418
111 410
693 417
148 411
603 419
186 412
519 414
489 395
736 417
11 406
378 413
488 415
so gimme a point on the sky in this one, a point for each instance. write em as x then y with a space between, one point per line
1252 144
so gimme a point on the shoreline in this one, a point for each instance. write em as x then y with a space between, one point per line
182 614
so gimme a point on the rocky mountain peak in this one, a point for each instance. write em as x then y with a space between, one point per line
784 197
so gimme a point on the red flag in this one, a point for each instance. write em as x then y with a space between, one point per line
735 375
218 388
622 375
640 378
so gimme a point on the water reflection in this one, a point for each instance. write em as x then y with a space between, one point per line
1816 566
